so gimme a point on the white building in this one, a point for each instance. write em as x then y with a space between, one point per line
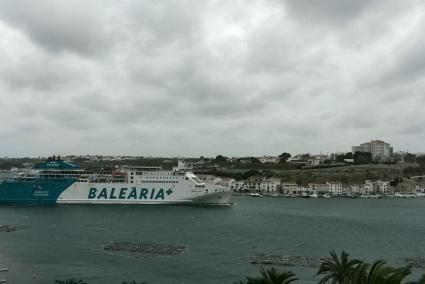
225 182
334 188
317 160
269 185
318 188
289 188
354 190
238 186
382 187
380 150
368 187
254 183
268 159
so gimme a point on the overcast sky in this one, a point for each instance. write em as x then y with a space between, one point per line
191 78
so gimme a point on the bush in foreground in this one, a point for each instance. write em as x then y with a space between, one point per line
343 270
336 270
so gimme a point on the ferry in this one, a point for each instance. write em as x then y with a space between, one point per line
60 182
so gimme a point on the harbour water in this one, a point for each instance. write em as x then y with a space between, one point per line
61 242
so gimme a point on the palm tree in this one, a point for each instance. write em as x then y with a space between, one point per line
338 270
271 276
379 273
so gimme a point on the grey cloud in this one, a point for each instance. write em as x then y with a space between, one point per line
166 22
57 25
331 12
203 78
411 58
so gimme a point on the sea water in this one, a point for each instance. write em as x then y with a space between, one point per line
65 241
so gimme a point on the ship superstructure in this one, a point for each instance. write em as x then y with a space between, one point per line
57 181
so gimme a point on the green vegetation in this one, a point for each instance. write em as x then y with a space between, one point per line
270 277
342 270
338 270
6 164
342 157
284 157
335 270
362 158
243 168
417 170
354 174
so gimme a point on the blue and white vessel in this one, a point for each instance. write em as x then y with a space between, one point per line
60 182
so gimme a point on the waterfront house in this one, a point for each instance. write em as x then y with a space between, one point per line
368 188
318 188
270 185
254 183
238 186
317 160
269 159
382 187
353 190
289 188
225 182
334 188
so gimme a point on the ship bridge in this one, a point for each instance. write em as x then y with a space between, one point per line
56 168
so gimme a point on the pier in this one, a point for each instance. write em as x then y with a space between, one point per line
3 270
10 228
7 228
156 248
290 260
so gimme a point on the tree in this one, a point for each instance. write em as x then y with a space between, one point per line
379 273
271 276
342 157
421 160
305 157
342 271
409 158
220 159
284 157
395 181
362 158
338 270
254 160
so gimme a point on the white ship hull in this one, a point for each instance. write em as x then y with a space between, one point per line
124 193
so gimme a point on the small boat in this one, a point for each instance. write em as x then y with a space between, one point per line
256 195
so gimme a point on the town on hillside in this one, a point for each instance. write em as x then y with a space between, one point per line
370 169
